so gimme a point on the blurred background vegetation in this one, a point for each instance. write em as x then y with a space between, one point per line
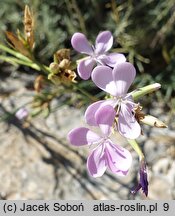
143 30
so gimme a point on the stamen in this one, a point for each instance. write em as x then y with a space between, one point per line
93 48
132 103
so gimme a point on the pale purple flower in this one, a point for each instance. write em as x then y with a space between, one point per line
106 154
97 54
116 82
22 113
143 183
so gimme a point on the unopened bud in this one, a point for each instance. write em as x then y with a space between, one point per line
54 67
64 64
153 121
145 90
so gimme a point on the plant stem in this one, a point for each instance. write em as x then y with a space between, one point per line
92 98
137 148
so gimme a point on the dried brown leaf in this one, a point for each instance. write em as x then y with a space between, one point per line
17 43
39 82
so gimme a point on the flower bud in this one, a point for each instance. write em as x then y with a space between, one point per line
54 67
153 121
64 64
145 90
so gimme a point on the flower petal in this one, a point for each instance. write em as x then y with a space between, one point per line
93 108
104 42
105 118
143 183
81 44
82 136
143 178
22 113
96 162
112 59
85 68
118 158
102 76
124 74
127 124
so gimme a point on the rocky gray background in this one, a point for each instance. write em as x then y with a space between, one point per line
37 162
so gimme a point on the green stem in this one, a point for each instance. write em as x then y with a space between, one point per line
14 53
92 98
23 60
42 67
137 148
14 60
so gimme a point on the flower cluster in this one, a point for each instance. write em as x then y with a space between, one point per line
114 75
